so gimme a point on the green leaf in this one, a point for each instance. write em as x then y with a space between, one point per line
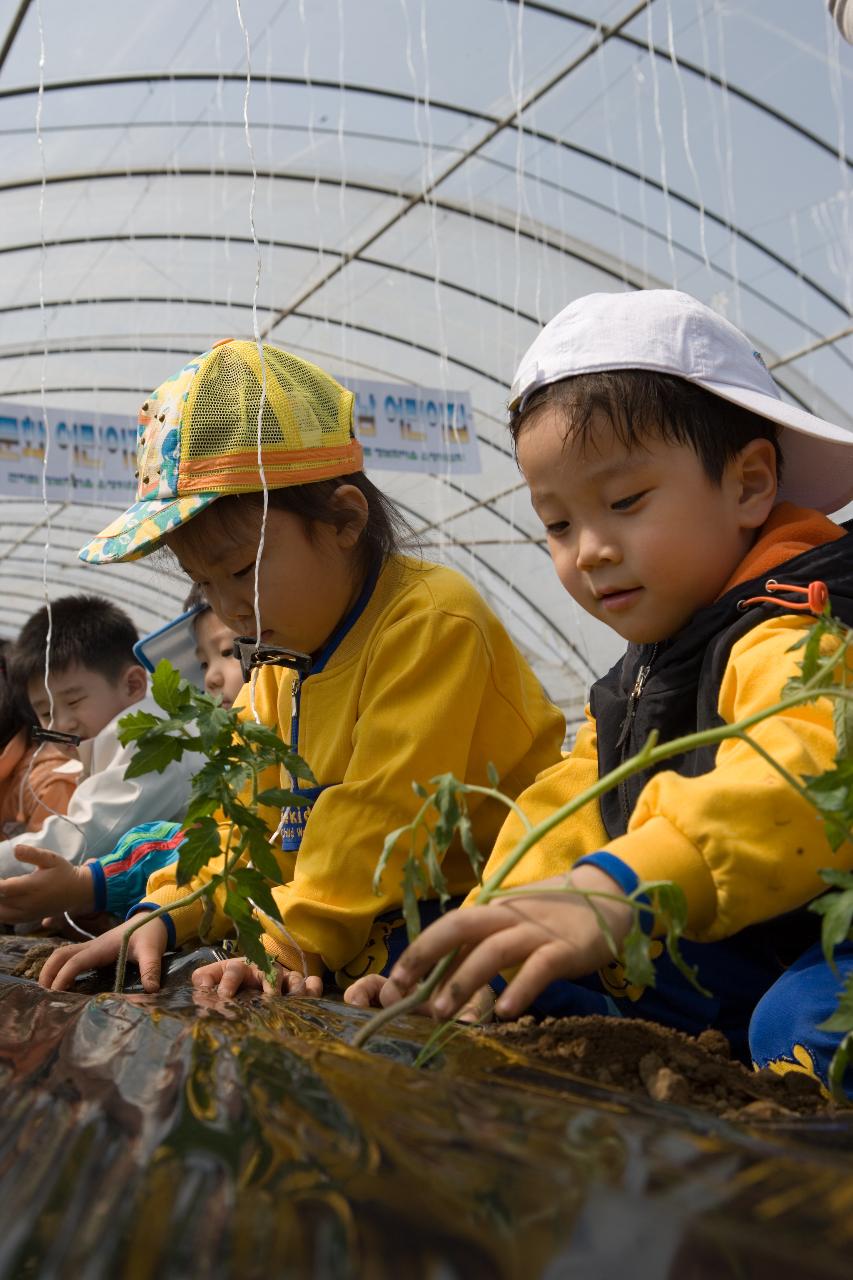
434 873
670 906
154 756
837 912
841 1059
134 724
281 798
466 835
200 847
387 849
414 886
637 958
842 1018
446 801
493 775
838 879
264 858
169 689
251 884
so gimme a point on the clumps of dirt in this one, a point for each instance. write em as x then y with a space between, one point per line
665 1065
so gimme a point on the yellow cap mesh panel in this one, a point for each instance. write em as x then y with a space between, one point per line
303 407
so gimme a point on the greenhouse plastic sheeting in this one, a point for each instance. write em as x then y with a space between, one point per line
179 1134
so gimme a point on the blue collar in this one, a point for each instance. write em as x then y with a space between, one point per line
321 656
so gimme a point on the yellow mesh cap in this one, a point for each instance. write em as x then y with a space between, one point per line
198 439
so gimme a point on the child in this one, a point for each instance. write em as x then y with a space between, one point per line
646 428
116 882
409 672
36 780
93 680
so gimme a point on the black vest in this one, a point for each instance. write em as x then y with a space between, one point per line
674 686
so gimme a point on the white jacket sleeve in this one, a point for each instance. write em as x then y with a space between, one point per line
106 804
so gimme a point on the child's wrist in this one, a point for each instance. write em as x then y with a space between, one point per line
83 894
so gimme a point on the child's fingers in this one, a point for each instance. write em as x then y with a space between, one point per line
545 965
497 951
237 974
452 930
365 992
208 976
43 858
296 984
63 966
480 1008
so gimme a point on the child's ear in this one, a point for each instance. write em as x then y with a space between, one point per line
755 468
135 682
351 510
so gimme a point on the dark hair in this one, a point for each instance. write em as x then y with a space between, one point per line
88 630
382 536
15 711
641 404
196 600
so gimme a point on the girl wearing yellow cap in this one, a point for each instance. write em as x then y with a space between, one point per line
410 673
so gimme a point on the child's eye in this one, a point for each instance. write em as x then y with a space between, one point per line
227 653
624 503
241 573
203 666
559 526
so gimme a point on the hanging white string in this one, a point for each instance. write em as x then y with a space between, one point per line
843 241
685 134
256 333
727 164
661 147
44 355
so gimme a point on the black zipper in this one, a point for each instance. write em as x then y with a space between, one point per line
627 723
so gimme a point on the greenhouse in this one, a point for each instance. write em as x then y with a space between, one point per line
402 194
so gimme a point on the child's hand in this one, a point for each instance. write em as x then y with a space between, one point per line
146 949
550 936
55 886
375 992
366 992
230 976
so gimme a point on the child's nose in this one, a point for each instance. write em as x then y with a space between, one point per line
594 548
212 679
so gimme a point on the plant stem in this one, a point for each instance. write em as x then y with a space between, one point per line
144 917
411 1001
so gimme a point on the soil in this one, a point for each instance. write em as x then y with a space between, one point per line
668 1066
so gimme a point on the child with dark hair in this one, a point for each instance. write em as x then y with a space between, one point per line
35 780
93 679
393 669
650 435
115 882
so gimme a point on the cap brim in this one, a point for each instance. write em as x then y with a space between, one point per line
818 455
141 528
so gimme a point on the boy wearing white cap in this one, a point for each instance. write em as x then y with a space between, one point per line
673 484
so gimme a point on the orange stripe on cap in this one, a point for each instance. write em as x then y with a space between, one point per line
239 470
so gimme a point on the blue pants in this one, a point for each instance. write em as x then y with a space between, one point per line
784 1032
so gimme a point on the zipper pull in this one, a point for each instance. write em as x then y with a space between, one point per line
633 699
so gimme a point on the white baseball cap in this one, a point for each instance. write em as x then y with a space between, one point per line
671 332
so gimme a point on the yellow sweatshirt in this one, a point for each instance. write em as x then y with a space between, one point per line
426 681
742 844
